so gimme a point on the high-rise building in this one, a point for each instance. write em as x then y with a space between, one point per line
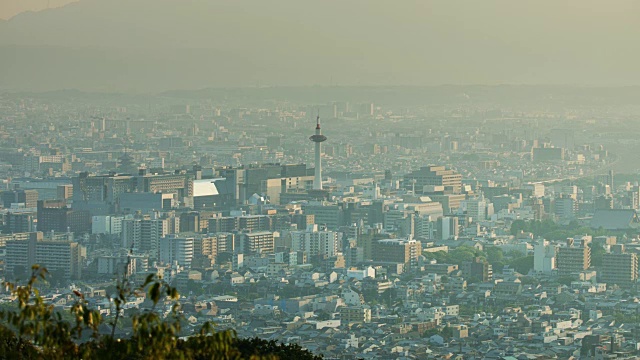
447 228
401 251
477 209
573 259
425 229
353 256
223 224
477 270
610 181
143 234
101 193
89 188
315 241
143 202
17 236
106 224
234 181
27 197
330 215
254 223
566 207
60 255
450 202
205 250
19 222
176 249
537 190
225 242
53 254
64 192
255 242
276 181
247 223
544 257
20 252
118 265
619 267
538 209
54 215
302 220
179 184
190 222
569 191
355 314
634 197
438 177
393 219
366 241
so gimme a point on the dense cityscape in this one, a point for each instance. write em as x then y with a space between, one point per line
329 179
461 228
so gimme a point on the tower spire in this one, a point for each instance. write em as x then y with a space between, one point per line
318 138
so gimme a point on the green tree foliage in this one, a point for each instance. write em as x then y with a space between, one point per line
495 257
256 347
548 229
457 256
522 264
33 330
494 254
464 254
446 332
518 226
441 257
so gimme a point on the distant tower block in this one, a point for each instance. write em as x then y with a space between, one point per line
610 180
318 138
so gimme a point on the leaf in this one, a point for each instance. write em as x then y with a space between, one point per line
154 293
148 280
174 294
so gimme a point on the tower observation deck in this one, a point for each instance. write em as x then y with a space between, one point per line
318 138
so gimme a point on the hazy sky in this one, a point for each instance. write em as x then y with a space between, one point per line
10 8
168 44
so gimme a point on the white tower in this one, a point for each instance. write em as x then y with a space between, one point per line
318 138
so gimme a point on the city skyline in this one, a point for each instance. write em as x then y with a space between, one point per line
336 179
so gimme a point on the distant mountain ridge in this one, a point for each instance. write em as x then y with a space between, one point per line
156 45
11 8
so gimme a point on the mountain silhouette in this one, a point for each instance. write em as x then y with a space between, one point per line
157 45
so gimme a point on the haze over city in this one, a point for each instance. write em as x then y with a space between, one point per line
336 179
151 45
